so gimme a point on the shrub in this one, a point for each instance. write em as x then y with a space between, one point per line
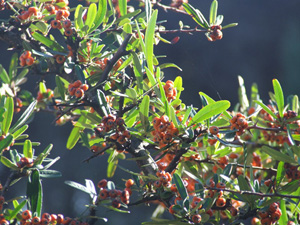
202 165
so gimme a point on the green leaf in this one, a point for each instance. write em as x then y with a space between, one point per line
243 99
123 7
6 142
278 155
8 114
102 7
127 28
182 190
3 75
53 45
196 15
279 97
284 217
266 108
149 40
103 103
167 65
213 12
295 105
13 67
230 25
140 37
144 111
24 117
27 149
17 209
78 17
60 86
34 192
91 15
20 131
280 173
77 186
50 173
137 69
6 162
111 168
209 111
40 158
74 136
80 74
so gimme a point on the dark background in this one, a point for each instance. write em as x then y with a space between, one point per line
265 45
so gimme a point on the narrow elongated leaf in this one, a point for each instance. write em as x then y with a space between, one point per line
137 69
266 108
123 7
60 86
209 111
280 172
144 111
103 103
178 86
277 155
196 15
78 17
111 168
278 96
242 94
13 66
53 45
20 131
77 186
74 136
50 173
167 65
213 12
6 162
43 155
27 149
284 217
149 40
230 25
8 114
17 209
6 142
181 189
140 37
35 193
102 8
3 75
24 117
91 15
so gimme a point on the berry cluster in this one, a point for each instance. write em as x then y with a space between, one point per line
239 123
120 135
170 90
31 11
215 33
77 89
270 215
164 179
45 96
116 196
292 172
47 218
222 162
26 59
164 130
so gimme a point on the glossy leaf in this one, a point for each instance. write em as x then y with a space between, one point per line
144 111
277 155
123 7
91 15
78 17
149 40
209 111
168 65
111 168
35 193
6 162
230 25
213 12
284 217
103 103
60 87
102 8
8 114
24 117
27 149
3 75
181 189
48 42
74 136
280 173
266 108
6 142
20 131
18 207
279 97
196 15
